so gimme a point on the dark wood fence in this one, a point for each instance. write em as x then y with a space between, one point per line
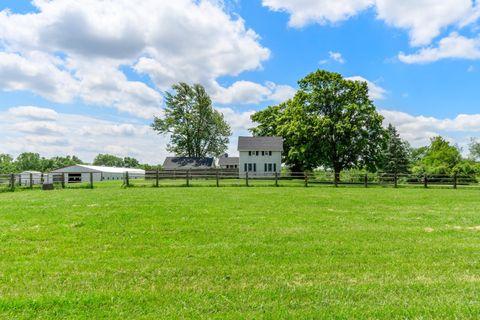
232 177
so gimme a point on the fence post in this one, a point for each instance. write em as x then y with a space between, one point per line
395 180
63 180
455 180
218 182
188 178
91 180
425 181
246 178
31 180
306 179
42 178
12 182
365 180
276 179
127 179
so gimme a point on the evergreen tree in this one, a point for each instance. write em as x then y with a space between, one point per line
396 155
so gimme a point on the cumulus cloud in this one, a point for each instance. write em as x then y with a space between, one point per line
419 129
454 46
70 49
375 91
247 92
35 113
318 11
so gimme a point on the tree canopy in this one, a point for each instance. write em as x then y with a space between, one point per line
439 158
196 129
474 149
331 122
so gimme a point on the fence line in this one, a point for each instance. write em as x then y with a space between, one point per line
229 177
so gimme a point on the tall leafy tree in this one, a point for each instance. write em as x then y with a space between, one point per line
330 122
7 164
440 157
474 149
29 161
108 160
129 162
396 157
196 129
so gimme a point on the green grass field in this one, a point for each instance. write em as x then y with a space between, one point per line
299 253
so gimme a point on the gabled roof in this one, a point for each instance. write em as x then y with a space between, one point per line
224 161
172 163
260 144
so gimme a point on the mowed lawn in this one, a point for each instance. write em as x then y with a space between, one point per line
242 253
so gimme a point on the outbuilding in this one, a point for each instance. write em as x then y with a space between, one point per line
188 163
30 178
83 173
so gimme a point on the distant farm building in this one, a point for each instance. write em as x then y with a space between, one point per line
82 173
188 163
30 178
227 162
260 156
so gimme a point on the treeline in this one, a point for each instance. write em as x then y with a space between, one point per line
29 161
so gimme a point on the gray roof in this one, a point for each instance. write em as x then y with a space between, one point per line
172 163
260 144
224 161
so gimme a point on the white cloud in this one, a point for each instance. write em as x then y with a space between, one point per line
419 129
454 46
333 56
247 92
35 113
305 12
423 19
375 91
70 49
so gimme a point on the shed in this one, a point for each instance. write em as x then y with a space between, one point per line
229 162
81 173
28 178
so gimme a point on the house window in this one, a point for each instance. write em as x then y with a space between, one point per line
249 153
257 153
250 167
269 153
245 168
274 167
255 167
270 167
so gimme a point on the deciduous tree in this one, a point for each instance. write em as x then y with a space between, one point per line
196 129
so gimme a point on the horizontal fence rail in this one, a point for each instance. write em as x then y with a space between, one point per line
231 177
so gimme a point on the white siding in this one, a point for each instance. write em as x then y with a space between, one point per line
260 161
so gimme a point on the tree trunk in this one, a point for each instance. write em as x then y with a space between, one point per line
336 178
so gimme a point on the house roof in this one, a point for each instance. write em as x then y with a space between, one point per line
224 161
188 163
32 172
260 144
88 168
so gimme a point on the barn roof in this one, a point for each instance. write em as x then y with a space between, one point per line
260 144
224 161
172 163
89 168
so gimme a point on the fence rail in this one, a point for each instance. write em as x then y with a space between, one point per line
229 177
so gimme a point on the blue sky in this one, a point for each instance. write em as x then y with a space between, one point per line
87 77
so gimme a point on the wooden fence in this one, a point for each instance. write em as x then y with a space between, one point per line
231 177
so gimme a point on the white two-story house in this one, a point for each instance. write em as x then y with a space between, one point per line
260 156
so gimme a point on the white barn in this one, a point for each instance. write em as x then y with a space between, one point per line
82 173
30 177
260 156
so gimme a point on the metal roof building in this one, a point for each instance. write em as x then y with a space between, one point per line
81 173
187 163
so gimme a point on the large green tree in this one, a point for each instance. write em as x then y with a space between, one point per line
474 149
108 160
7 165
331 122
29 161
440 157
196 129
396 156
